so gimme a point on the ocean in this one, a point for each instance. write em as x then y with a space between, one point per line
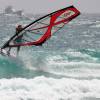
66 67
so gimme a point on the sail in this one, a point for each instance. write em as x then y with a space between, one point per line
39 31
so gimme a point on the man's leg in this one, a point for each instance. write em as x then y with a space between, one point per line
18 49
8 52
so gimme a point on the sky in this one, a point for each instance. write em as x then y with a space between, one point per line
46 6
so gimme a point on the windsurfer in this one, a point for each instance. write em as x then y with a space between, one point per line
18 39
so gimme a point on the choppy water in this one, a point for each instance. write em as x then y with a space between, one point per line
66 67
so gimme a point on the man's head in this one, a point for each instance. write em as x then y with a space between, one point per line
19 26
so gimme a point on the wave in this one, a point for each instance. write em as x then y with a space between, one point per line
74 63
42 88
71 63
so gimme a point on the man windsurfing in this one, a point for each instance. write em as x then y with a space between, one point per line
47 25
18 39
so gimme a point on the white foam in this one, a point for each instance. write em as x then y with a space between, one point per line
42 88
